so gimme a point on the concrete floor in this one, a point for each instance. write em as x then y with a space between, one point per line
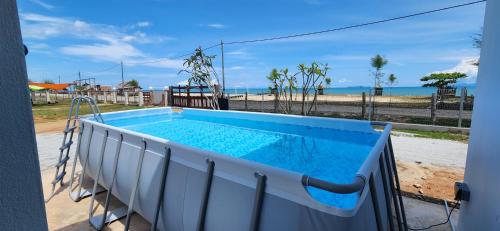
422 214
64 214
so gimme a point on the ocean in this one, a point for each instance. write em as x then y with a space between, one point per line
397 91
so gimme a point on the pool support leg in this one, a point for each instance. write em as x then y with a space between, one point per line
99 169
258 200
398 187
79 194
386 193
166 161
393 190
106 217
206 194
130 208
376 207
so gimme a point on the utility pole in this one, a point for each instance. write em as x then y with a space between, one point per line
78 88
59 79
223 77
123 82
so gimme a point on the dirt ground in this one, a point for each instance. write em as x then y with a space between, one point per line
429 180
50 127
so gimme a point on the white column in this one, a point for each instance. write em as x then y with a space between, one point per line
115 100
105 94
166 93
482 170
141 99
47 95
125 93
22 206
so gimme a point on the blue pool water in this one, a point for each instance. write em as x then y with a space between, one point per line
327 154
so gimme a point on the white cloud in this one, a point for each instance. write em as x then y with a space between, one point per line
159 63
343 80
42 4
465 66
113 51
239 54
42 48
216 26
143 24
108 43
237 68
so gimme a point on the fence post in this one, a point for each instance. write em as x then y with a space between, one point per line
170 96
246 100
105 97
433 108
115 97
125 93
165 97
460 112
262 102
188 97
276 101
141 99
363 105
48 96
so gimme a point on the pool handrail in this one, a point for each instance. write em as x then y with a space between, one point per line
356 186
360 180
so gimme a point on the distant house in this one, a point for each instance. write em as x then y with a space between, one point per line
104 88
128 86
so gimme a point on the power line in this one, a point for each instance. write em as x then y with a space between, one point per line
175 57
353 26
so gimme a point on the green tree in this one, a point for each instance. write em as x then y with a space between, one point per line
133 83
200 68
391 80
273 77
477 41
284 84
312 77
378 62
442 80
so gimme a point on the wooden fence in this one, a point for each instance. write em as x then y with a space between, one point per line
190 96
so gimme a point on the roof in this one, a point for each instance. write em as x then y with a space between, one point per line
51 86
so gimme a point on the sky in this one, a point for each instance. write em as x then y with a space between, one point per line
92 37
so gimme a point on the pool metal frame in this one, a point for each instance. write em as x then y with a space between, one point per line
381 156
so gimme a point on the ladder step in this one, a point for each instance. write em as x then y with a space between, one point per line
67 145
62 162
70 129
58 178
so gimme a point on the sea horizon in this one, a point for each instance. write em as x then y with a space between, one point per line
396 91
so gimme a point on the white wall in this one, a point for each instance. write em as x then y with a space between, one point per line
482 171
21 197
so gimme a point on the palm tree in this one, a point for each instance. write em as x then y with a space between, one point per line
378 62
391 82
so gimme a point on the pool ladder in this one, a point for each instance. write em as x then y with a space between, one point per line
71 125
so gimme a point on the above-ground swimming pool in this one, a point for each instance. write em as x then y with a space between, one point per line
236 170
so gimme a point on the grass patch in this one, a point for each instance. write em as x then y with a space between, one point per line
436 135
59 111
